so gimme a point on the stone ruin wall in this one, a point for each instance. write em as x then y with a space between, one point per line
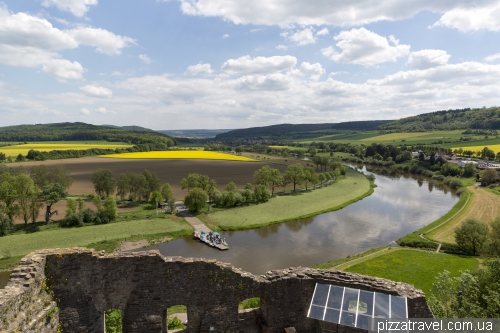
70 289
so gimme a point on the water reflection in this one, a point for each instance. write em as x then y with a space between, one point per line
399 205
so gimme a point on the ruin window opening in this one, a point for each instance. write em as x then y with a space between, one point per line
250 315
175 319
113 321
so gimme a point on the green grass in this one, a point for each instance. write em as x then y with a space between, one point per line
414 266
291 207
176 309
341 261
22 244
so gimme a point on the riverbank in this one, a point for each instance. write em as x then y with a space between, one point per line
354 187
100 237
413 266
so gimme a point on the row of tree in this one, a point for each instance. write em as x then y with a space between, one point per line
24 194
202 189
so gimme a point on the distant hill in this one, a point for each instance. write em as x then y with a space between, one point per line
79 132
294 131
195 134
484 118
131 128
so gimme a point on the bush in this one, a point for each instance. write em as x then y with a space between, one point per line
427 173
460 190
438 177
73 220
455 183
174 323
261 194
88 215
247 195
216 197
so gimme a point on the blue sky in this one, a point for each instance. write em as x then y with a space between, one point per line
187 64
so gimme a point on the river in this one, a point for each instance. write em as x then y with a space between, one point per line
401 203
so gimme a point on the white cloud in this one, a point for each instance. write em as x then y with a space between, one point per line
102 110
225 36
282 47
62 70
428 58
363 47
472 18
199 68
323 32
492 57
85 111
76 7
314 70
31 41
316 12
258 65
145 58
103 40
97 91
301 37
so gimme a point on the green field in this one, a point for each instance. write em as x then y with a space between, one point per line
450 139
22 244
415 267
290 207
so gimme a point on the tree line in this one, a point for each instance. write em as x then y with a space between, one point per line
202 189
80 131
24 193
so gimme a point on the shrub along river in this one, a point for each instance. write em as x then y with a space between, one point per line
402 203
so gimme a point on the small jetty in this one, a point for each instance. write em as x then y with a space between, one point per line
211 238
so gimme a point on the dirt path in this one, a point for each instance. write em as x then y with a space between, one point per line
195 222
484 206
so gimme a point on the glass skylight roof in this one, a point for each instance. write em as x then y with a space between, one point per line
354 307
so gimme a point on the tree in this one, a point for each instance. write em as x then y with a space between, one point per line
238 150
104 182
109 209
495 236
469 170
124 184
310 176
9 195
81 204
97 201
489 176
5 224
317 161
152 183
40 175
27 192
20 158
230 187
294 174
70 207
52 194
261 194
139 186
155 197
166 192
61 176
471 235
196 199
248 186
321 178
34 208
268 177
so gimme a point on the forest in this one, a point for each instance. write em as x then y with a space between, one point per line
80 131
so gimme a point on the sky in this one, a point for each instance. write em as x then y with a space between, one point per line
226 64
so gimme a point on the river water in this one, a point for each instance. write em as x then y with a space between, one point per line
402 203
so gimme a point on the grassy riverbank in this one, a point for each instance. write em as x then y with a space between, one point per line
416 267
341 193
105 236
414 239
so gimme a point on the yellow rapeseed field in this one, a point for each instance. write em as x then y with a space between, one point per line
23 149
206 155
395 136
495 148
